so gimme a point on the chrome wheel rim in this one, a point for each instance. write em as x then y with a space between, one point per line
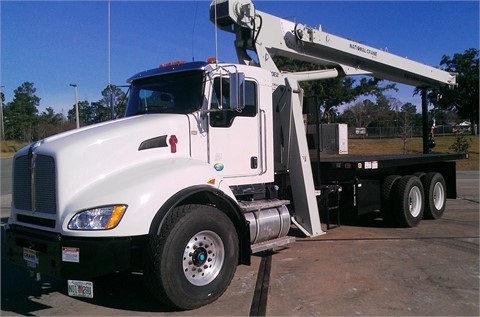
438 196
203 258
415 201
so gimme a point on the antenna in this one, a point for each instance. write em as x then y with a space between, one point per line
216 34
108 43
193 31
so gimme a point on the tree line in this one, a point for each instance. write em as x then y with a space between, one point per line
368 104
23 122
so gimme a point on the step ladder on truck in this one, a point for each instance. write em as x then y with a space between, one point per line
210 165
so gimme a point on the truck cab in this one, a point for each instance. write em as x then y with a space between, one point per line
232 138
195 140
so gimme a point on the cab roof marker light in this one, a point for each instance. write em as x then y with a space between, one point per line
173 63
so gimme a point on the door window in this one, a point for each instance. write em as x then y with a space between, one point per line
221 91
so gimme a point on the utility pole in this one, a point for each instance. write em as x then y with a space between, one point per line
110 91
110 99
1 113
76 104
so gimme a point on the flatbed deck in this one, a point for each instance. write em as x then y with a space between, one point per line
355 169
362 162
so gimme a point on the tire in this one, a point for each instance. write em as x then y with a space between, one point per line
435 195
408 201
387 192
419 175
193 259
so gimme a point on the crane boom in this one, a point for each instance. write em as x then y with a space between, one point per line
268 35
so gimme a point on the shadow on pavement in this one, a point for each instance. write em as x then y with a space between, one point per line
124 291
20 292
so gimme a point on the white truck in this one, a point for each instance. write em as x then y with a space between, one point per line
210 165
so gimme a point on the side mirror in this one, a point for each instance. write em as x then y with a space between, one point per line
237 91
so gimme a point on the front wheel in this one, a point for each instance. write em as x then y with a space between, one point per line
191 262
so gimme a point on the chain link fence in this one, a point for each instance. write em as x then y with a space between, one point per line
409 132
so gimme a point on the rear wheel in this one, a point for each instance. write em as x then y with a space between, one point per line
435 195
408 201
419 175
387 197
191 262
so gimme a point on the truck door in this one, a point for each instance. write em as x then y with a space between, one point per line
235 147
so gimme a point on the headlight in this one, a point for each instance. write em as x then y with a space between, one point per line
100 218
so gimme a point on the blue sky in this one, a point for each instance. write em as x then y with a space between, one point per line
57 43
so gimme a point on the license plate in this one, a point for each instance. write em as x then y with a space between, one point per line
80 288
31 257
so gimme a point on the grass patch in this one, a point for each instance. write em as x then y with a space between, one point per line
415 146
363 147
8 147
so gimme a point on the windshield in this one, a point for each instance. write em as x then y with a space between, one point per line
170 93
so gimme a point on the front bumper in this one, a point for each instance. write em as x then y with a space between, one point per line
67 257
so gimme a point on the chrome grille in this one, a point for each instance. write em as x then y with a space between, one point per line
43 184
22 198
